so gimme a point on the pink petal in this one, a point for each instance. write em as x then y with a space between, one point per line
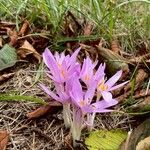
50 93
102 106
90 93
100 73
107 96
114 79
76 92
51 63
74 57
118 86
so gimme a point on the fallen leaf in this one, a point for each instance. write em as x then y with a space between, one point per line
138 134
13 36
105 140
141 93
140 59
144 144
5 76
113 60
24 28
123 96
43 110
4 136
7 24
27 49
142 106
8 57
87 29
115 46
141 75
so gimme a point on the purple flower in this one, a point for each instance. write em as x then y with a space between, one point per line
105 87
61 94
88 74
61 67
83 99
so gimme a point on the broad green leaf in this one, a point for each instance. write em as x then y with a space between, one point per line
20 98
105 140
8 57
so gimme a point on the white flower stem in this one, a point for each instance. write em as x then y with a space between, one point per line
91 117
76 126
67 115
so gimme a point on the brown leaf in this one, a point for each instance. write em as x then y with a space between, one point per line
5 76
4 136
87 29
7 24
138 134
141 93
140 59
115 46
27 49
13 36
142 106
24 28
113 60
43 110
141 75
123 96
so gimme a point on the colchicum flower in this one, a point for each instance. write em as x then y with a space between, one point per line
79 104
88 74
105 88
83 106
61 69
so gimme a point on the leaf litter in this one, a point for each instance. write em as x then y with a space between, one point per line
28 116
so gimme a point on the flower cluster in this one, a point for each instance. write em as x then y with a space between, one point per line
82 89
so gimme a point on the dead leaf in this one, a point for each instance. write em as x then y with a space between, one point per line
27 49
141 75
5 76
4 136
144 144
113 60
138 134
142 106
87 29
141 93
13 36
43 110
115 47
123 96
24 28
140 59
7 24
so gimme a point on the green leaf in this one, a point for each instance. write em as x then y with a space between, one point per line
8 57
105 140
20 98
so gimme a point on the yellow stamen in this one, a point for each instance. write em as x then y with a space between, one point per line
102 86
86 77
82 103
63 73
